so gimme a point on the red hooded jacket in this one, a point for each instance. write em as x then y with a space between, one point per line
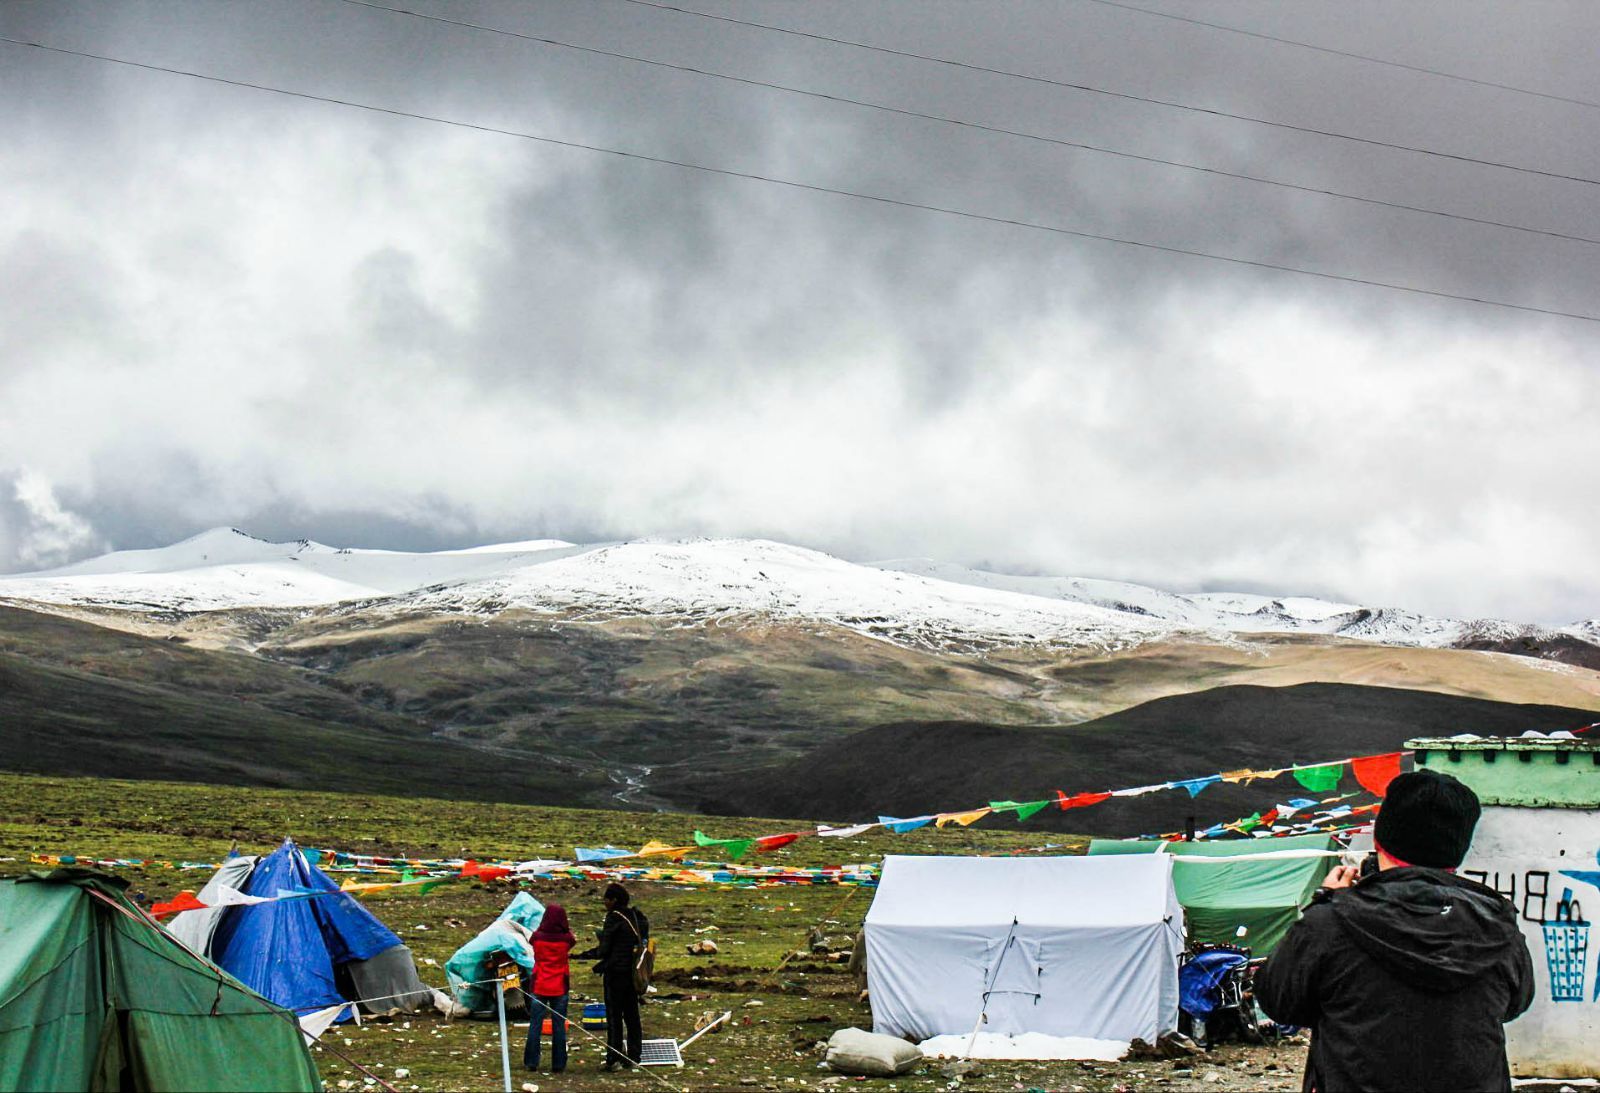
552 941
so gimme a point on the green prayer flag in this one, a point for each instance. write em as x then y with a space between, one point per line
1252 822
1320 779
737 848
1023 809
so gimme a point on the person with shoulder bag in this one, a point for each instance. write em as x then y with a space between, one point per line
620 957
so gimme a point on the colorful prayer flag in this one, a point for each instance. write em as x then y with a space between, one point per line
1023 809
1079 800
1375 772
1320 779
1195 785
900 827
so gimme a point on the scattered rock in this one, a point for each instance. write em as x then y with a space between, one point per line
696 948
1175 1045
962 1068
754 1002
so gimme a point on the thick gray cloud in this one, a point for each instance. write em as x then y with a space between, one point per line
227 307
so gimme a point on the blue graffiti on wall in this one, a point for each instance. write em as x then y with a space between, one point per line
1570 945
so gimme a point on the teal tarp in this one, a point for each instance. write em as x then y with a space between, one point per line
508 934
1264 895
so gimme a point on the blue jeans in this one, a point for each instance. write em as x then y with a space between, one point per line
557 1012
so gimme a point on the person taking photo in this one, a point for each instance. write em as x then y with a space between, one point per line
1407 976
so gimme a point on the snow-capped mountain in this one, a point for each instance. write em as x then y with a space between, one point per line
915 602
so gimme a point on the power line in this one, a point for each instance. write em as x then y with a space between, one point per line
879 199
1346 53
1032 78
945 119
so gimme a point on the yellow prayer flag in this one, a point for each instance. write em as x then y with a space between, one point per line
965 819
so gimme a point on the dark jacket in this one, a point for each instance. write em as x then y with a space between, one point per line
619 941
1406 980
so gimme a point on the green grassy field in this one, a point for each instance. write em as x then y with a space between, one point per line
781 1010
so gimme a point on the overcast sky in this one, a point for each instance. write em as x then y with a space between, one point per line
220 306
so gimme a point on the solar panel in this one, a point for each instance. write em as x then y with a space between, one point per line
660 1053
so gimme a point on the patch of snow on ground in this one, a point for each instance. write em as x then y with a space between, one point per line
1029 1045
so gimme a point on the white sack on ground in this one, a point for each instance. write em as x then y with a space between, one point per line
1030 1045
852 1051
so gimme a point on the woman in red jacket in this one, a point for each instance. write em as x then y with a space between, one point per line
552 981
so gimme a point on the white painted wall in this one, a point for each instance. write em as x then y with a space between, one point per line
1522 852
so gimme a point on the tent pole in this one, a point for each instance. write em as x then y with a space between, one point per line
505 1052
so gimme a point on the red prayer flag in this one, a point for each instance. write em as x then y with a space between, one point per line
183 901
772 842
492 872
1375 772
1079 800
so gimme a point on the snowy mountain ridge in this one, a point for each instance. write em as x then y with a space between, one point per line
908 601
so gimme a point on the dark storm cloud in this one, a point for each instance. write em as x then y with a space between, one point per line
227 307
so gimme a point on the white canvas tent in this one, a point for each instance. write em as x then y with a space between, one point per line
1069 946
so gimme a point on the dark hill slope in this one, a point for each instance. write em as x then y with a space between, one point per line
78 699
909 769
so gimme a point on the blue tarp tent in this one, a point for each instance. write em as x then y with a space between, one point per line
308 954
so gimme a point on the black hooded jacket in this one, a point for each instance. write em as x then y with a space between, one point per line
625 929
1406 980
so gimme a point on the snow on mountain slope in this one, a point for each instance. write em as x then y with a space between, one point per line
913 601
1112 595
225 568
717 578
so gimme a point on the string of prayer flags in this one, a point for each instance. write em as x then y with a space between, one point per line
1023 809
965 819
900 827
1079 800
1320 779
1195 785
1375 772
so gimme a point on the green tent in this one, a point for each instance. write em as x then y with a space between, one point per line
95 996
1264 895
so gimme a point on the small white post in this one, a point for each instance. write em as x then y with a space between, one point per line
505 1051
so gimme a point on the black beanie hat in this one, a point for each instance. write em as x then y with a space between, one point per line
1427 819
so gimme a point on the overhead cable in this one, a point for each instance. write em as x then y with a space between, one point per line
879 199
1346 53
946 120
1069 85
